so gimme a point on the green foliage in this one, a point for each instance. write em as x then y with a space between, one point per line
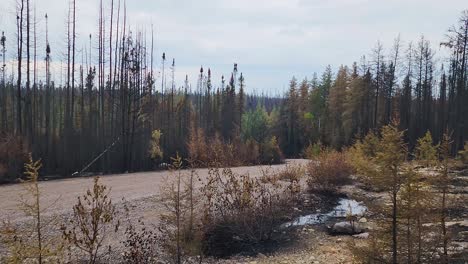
404 231
426 152
358 156
384 171
255 125
259 146
416 202
390 155
370 144
313 150
309 116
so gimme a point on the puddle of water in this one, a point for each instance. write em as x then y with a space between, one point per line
348 206
344 207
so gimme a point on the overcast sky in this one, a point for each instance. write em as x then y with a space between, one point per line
271 40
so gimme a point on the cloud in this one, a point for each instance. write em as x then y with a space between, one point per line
271 40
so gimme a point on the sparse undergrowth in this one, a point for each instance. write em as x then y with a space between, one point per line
241 212
328 172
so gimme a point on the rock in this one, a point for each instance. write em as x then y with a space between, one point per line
339 240
362 236
260 255
346 228
363 220
253 262
311 258
316 262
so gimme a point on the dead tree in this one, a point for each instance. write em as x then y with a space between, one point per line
19 25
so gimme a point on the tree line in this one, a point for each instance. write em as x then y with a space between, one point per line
408 84
104 115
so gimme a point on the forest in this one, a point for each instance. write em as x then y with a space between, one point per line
102 116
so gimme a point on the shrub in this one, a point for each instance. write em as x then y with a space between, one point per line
94 216
155 151
313 150
140 245
270 152
328 172
179 235
291 173
251 152
216 152
370 144
197 146
426 152
359 155
240 212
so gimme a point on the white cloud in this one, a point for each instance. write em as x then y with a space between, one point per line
270 39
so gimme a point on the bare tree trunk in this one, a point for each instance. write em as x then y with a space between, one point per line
394 228
72 108
378 53
47 96
35 102
67 116
28 113
444 227
19 17
4 89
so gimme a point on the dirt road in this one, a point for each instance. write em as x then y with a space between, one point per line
58 196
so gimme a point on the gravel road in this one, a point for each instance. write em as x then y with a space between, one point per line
58 196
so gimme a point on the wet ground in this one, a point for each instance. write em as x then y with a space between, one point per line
345 208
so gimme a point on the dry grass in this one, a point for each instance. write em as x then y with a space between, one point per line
291 173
